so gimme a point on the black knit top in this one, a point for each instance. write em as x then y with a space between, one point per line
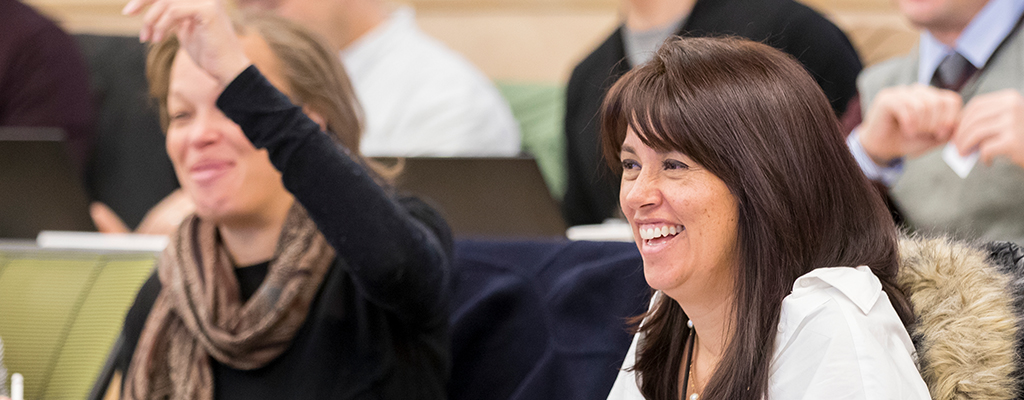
377 328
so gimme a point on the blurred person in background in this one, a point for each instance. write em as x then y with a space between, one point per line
44 81
591 188
954 100
420 97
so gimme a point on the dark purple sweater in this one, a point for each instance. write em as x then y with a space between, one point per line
43 78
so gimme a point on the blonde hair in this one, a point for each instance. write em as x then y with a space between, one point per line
315 77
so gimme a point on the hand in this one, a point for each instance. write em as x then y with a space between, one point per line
204 30
165 216
106 220
909 121
162 219
993 124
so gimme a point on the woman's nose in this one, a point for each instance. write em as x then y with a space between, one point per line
642 191
207 130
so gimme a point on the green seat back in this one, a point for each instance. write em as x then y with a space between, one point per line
540 109
60 312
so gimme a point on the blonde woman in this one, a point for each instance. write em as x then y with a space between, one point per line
299 276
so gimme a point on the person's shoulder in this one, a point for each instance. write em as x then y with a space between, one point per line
800 12
888 68
839 324
899 70
425 56
25 29
19 20
784 24
603 57
797 22
135 319
595 74
840 290
144 300
858 285
434 78
769 14
431 218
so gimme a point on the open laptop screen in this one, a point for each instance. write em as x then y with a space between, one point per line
40 188
486 197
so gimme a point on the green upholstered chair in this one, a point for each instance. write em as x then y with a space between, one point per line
60 312
540 110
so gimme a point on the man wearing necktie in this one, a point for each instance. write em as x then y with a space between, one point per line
953 100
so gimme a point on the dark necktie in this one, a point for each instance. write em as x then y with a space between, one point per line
953 72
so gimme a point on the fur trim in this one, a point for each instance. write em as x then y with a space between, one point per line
966 329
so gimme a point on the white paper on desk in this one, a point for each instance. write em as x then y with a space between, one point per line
962 165
609 231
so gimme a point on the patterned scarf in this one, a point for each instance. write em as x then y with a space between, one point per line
199 313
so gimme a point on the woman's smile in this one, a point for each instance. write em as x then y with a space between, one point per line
657 235
207 172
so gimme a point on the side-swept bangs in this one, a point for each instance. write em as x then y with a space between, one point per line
718 109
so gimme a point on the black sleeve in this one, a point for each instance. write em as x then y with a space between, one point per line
591 188
792 27
827 54
397 261
135 320
581 157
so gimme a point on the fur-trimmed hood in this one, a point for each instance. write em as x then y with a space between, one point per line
967 300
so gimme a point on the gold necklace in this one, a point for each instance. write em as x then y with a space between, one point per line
694 390
689 364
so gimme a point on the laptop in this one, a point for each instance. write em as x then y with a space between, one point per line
484 197
40 188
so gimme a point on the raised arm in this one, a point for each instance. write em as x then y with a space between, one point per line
396 260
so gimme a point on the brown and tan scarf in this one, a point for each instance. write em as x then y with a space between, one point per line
199 312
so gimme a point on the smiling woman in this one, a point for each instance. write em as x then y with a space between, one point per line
769 251
301 274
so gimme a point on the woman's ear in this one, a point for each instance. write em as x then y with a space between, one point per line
316 117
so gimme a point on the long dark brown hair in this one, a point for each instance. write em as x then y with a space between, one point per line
753 117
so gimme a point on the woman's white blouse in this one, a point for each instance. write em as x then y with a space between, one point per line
838 338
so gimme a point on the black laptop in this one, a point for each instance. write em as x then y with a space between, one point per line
485 197
40 188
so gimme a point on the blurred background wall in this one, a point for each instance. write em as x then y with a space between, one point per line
532 40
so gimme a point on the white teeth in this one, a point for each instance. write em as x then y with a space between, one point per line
654 233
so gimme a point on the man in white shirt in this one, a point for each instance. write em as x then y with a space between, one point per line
923 141
420 98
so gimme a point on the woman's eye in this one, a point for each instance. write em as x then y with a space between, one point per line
630 170
179 116
675 164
